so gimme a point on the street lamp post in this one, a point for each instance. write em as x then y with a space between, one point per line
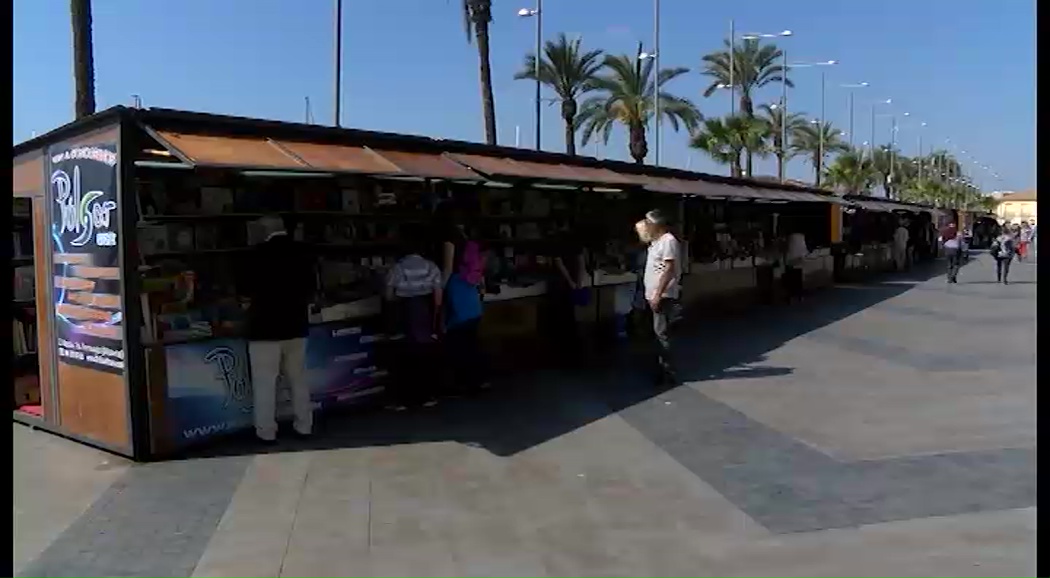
656 82
536 13
338 57
732 67
871 149
783 95
823 83
852 88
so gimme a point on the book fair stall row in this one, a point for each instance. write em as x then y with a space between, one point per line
131 226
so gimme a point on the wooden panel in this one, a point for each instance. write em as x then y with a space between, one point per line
45 340
428 165
339 158
227 151
157 394
28 175
93 405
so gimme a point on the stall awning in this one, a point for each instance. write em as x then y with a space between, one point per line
887 206
497 168
222 151
339 158
428 166
662 185
605 176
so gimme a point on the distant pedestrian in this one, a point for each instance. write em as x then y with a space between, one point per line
1003 250
663 272
951 242
1023 239
794 260
900 246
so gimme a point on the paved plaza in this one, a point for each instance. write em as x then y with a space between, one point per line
884 428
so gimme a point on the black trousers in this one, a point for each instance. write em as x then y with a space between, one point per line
793 282
413 371
559 327
468 365
954 257
663 354
1002 268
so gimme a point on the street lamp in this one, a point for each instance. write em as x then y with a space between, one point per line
823 83
852 88
655 56
538 14
871 149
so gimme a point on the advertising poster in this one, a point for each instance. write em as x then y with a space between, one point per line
210 387
85 228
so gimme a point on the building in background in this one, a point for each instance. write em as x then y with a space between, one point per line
1016 207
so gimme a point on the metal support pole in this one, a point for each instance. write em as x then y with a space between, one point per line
820 165
851 118
338 58
539 57
732 66
783 118
656 82
871 145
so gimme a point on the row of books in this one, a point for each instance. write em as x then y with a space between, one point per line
23 337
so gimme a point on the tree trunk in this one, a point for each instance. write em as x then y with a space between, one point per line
83 58
747 108
750 158
817 164
638 146
780 165
735 166
482 15
568 114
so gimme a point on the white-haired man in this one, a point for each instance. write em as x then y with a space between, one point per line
662 283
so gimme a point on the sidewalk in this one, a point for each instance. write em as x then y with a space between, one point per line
846 436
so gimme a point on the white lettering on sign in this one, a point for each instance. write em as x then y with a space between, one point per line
80 213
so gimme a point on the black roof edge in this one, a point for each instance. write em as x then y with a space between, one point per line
894 201
79 126
218 124
172 119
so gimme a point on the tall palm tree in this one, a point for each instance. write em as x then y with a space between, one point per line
477 14
755 64
83 57
773 116
721 141
852 172
570 72
807 141
628 99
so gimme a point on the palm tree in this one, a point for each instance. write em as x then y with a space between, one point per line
755 65
570 72
627 99
477 14
725 140
806 140
83 57
852 172
774 119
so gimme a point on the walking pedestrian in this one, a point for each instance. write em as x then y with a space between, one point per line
794 260
564 292
662 281
278 321
900 245
1023 239
950 241
1002 250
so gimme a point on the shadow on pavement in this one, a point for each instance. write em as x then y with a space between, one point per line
533 407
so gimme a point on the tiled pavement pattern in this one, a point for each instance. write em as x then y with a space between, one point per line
879 429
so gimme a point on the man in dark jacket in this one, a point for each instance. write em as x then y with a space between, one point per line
281 287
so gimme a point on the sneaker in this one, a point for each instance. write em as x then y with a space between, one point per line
430 403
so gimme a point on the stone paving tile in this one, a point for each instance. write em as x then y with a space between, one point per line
154 521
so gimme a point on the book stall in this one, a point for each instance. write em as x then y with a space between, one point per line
130 315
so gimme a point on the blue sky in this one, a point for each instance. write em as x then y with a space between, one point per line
966 68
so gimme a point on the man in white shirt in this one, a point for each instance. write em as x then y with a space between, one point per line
794 260
662 284
900 246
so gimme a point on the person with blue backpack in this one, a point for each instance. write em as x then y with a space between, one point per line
463 275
